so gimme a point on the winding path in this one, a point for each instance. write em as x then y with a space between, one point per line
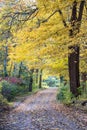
42 112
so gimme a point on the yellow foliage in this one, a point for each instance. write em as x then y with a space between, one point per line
45 44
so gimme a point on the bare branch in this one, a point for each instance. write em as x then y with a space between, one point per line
47 19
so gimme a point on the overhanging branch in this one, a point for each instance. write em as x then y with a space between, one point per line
47 19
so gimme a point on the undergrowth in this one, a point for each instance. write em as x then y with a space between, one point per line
65 96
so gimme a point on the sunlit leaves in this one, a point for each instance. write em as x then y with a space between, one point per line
42 40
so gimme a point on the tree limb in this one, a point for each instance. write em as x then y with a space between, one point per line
47 19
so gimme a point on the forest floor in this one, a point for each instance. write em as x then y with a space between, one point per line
41 111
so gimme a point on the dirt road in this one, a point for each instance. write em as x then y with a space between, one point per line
41 111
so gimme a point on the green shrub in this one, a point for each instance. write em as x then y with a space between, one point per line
10 91
64 94
3 101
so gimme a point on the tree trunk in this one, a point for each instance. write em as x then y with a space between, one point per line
14 69
10 69
20 69
61 79
5 61
40 80
73 58
73 62
36 76
31 80
84 80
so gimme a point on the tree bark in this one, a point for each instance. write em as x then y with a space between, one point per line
31 81
83 77
40 80
20 69
5 61
10 69
73 62
14 70
73 58
76 20
37 76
